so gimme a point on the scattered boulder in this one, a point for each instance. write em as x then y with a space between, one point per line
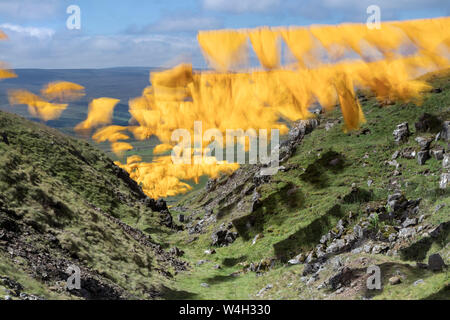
445 133
222 238
435 262
424 143
409 222
263 290
257 237
397 201
438 154
181 218
407 232
395 280
176 252
201 262
341 279
408 153
401 134
446 161
416 283
422 157
210 252
443 183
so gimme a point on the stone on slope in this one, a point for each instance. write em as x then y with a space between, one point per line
402 133
435 262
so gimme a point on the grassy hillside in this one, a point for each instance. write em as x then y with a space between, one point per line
60 204
63 202
332 176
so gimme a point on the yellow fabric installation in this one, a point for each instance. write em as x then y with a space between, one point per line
351 109
100 113
5 73
337 40
62 91
266 44
119 147
36 105
224 49
300 43
161 148
110 133
268 98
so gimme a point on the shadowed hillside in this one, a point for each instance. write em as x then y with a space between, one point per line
63 202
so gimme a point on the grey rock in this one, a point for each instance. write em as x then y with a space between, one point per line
443 183
420 281
437 137
294 261
396 201
401 133
395 155
445 133
341 279
369 182
336 263
424 143
379 248
422 157
324 238
409 222
329 125
210 251
337 245
407 232
304 279
395 280
181 218
204 285
263 290
438 154
201 262
409 153
256 238
223 238
392 237
439 207
446 161
435 262
367 248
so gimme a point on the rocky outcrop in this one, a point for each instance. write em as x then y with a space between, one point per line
401 133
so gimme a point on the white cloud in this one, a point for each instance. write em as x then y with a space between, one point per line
187 24
40 33
69 50
241 6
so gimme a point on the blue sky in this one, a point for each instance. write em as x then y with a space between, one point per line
157 33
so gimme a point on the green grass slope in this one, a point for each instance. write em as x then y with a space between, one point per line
64 202
305 201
